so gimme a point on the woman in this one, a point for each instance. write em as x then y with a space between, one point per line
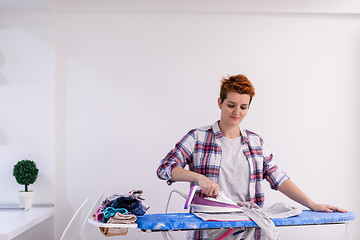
233 159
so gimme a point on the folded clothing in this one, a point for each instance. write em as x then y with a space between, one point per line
122 218
109 232
118 218
130 204
132 201
110 212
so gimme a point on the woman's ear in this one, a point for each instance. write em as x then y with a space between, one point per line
219 102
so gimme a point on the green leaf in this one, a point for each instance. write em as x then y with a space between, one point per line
25 172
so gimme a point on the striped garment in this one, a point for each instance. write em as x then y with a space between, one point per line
200 149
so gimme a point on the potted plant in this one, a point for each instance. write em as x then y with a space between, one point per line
25 173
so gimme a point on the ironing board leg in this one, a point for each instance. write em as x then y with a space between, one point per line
347 235
166 234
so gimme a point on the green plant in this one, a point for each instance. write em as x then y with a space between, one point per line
25 173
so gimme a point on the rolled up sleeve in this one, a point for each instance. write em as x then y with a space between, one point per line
272 173
180 156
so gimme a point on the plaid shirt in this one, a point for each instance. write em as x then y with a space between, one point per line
200 149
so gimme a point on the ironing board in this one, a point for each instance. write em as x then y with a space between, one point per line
188 221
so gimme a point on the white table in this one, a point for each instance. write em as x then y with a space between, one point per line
14 221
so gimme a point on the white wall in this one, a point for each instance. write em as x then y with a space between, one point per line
129 84
135 82
27 100
27 105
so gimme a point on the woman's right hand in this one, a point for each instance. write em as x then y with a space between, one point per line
208 187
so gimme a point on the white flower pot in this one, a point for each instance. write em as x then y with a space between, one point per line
25 199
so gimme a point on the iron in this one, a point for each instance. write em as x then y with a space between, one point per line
219 204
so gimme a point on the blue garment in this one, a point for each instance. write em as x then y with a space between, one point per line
130 204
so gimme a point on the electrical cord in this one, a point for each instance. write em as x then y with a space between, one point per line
178 192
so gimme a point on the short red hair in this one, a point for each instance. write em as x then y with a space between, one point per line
238 83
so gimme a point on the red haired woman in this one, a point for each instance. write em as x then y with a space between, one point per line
224 156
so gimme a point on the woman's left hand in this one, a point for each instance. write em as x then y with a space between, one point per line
326 208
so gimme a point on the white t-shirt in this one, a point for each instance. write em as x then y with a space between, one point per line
234 177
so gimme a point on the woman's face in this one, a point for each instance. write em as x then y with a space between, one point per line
234 108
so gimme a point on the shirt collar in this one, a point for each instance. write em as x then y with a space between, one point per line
218 133
244 136
216 130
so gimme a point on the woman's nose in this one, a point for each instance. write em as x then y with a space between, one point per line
236 110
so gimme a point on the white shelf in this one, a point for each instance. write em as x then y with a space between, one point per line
15 221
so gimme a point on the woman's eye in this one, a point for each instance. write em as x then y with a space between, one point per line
231 106
243 108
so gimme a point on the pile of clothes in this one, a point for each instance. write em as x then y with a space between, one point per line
120 209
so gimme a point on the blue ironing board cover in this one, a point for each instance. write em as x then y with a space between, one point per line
188 221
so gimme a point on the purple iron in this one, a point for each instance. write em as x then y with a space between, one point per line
218 204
